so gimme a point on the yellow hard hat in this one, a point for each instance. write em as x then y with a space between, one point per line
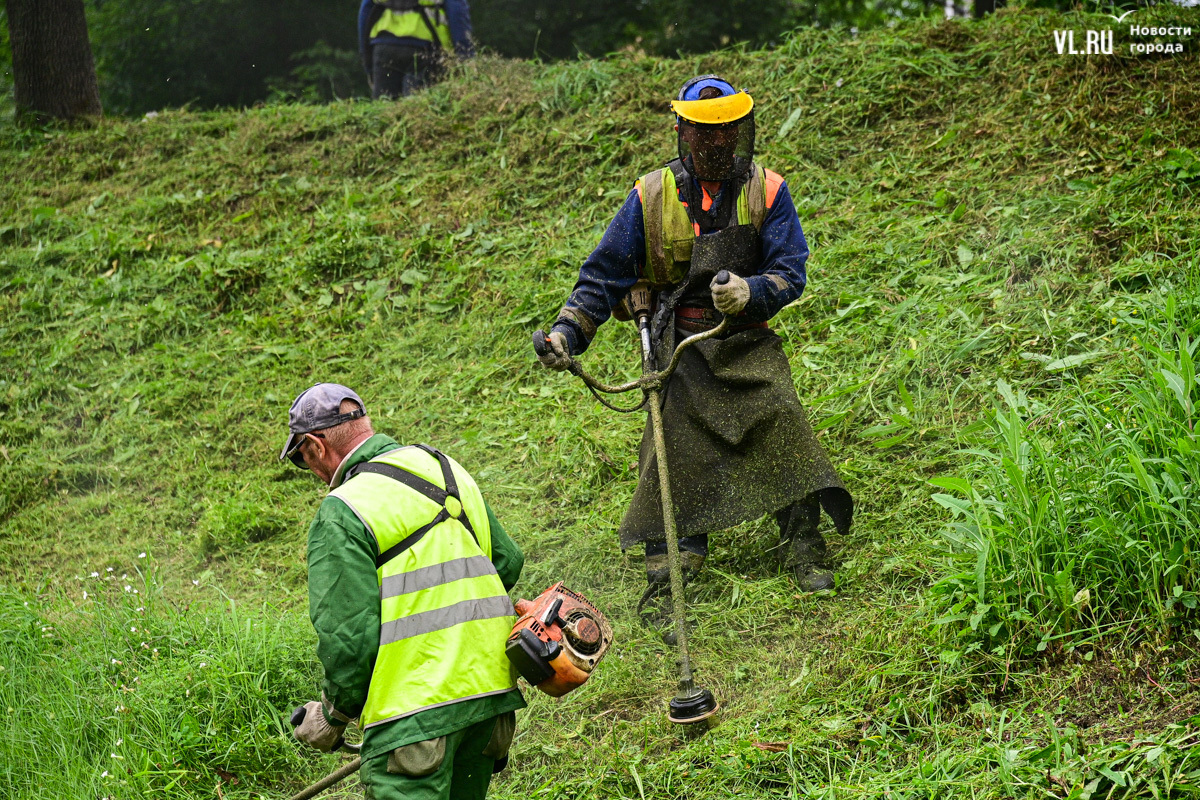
714 111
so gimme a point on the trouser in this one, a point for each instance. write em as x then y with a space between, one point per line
798 538
400 70
457 766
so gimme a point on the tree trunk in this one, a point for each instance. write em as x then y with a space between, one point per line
53 71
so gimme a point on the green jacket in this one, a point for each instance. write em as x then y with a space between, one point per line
343 603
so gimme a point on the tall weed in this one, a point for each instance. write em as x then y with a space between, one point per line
118 692
1084 519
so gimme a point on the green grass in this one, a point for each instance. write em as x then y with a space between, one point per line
144 694
980 210
1090 517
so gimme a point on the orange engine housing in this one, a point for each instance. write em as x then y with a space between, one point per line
558 640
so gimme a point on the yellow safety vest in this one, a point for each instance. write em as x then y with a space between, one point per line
444 613
668 228
410 24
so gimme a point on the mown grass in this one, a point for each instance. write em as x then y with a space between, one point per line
980 211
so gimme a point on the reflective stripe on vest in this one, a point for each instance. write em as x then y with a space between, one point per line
444 613
668 228
411 25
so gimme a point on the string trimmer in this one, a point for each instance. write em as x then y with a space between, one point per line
691 704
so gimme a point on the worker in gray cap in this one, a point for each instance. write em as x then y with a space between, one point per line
408 579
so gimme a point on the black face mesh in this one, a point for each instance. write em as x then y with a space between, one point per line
719 152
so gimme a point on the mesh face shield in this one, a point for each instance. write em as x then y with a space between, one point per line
717 152
716 135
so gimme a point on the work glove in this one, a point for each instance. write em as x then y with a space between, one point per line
315 731
730 297
557 356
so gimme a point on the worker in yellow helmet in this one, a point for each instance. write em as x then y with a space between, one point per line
739 444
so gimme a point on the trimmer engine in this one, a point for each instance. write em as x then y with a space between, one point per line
558 640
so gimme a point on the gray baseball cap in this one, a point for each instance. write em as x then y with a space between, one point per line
317 408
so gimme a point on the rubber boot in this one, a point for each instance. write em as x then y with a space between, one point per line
802 546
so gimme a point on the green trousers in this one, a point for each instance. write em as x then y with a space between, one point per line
457 766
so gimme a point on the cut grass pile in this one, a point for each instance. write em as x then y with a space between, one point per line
1003 239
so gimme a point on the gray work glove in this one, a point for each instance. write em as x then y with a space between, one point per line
315 731
730 297
558 357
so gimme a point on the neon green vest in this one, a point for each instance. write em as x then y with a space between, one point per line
409 23
668 229
444 613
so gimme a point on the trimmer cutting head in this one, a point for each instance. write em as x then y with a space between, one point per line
693 707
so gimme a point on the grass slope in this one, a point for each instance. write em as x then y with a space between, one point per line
1004 242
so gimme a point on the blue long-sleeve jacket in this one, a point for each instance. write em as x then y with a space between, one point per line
458 16
617 262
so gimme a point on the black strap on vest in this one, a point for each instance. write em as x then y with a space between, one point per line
425 489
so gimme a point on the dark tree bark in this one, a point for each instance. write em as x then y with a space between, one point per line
53 71
984 7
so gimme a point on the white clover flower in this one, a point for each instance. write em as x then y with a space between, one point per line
128 587
141 608
85 594
120 742
203 664
132 629
194 583
104 774
141 555
108 569
95 575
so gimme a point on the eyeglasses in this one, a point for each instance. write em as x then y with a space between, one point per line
295 456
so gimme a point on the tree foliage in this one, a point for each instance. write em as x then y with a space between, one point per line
153 54
157 53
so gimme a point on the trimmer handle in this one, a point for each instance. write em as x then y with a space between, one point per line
540 345
722 276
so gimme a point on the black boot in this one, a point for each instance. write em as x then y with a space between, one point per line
655 606
802 547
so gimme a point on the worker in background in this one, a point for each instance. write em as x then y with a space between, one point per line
738 441
408 574
404 44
